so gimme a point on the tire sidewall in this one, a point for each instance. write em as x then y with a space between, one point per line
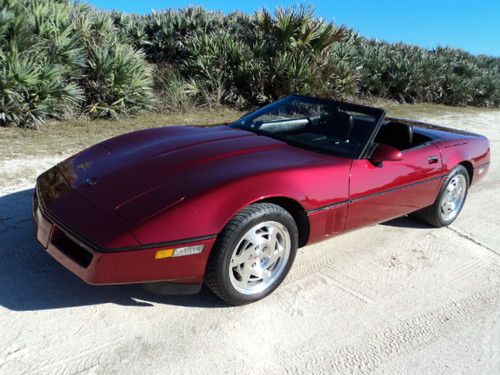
228 247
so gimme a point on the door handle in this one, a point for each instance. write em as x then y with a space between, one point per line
432 159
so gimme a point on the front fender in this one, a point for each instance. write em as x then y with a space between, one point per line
207 211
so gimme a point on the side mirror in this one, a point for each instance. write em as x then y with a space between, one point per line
385 153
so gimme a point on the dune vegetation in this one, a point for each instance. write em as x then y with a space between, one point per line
63 60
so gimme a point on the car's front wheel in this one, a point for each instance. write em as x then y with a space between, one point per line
253 254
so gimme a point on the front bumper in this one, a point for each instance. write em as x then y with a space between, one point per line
102 266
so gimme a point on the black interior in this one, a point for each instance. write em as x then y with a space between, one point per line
399 135
348 128
340 130
322 125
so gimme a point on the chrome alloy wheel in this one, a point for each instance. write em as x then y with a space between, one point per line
260 257
453 197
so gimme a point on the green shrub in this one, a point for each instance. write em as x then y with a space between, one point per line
244 60
40 58
413 74
298 52
59 59
172 90
117 81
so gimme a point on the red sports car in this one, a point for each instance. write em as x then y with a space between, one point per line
228 206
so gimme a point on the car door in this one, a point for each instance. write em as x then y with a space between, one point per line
393 188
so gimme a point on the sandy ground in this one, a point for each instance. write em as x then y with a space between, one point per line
397 297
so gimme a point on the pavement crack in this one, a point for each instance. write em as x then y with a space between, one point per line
470 238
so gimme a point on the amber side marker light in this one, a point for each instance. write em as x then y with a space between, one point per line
181 251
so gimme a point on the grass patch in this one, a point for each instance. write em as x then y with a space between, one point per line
60 138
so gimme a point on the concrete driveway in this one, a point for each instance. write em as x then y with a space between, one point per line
398 297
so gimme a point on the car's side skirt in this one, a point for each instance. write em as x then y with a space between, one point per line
368 196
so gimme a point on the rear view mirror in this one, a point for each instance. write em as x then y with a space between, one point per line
385 153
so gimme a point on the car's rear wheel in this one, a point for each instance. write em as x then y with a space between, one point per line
450 200
253 254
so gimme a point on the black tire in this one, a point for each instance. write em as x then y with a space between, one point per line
432 214
217 275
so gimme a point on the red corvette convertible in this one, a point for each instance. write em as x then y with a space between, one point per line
228 206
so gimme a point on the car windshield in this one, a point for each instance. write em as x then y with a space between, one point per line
328 126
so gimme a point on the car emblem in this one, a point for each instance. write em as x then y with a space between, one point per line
91 181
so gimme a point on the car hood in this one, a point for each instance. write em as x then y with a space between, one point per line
149 167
